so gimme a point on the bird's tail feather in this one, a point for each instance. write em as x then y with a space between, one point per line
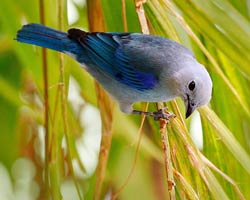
43 36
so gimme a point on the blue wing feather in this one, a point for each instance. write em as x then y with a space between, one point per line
106 53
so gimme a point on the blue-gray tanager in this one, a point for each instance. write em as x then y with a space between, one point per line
132 67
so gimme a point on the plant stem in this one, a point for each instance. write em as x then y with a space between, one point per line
46 105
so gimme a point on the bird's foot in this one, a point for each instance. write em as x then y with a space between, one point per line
159 114
163 113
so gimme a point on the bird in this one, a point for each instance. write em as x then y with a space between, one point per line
131 67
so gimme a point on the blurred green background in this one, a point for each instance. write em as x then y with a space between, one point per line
209 152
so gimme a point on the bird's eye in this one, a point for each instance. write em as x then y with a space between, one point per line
191 85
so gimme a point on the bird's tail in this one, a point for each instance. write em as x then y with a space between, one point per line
43 36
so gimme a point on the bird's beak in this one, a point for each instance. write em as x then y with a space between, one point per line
189 109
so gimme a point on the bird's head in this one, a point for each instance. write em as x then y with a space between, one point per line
195 87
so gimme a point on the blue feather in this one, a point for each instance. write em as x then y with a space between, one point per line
43 36
107 55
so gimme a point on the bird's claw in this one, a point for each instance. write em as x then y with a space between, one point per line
163 114
157 115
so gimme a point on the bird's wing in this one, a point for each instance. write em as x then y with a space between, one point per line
109 54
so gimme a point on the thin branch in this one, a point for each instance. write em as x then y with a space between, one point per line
124 17
106 107
141 15
167 156
64 102
46 105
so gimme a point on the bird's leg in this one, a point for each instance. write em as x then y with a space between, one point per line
161 113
